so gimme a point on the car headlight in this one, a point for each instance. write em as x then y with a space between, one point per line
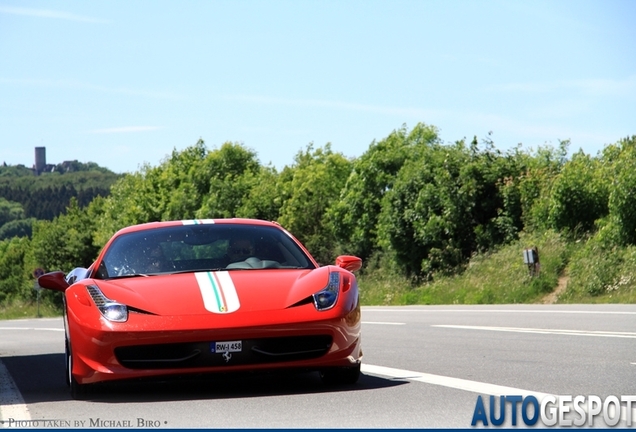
114 312
326 298
111 310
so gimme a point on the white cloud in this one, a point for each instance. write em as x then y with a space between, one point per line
595 87
47 13
606 87
92 87
561 109
410 112
125 129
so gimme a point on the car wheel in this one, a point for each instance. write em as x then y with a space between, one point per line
67 363
341 376
78 391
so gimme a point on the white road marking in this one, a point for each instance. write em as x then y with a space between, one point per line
383 323
455 383
463 384
630 335
12 405
32 328
370 309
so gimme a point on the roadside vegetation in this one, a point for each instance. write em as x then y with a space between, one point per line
435 222
494 277
21 309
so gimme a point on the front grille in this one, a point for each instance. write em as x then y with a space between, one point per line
199 354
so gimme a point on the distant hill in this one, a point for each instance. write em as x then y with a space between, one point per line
67 167
47 195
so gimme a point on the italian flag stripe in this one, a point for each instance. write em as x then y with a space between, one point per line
218 291
218 295
197 221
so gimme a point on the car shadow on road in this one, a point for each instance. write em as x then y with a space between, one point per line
41 378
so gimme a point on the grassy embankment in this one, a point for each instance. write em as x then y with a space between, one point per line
592 275
21 309
588 274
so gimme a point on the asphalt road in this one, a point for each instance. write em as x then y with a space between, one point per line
424 367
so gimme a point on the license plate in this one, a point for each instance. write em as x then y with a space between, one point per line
227 346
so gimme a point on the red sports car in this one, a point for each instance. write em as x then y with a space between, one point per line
215 295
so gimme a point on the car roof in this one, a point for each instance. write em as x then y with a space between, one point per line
154 225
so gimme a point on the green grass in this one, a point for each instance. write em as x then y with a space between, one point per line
499 277
600 275
596 275
22 309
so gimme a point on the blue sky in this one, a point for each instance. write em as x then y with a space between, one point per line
121 83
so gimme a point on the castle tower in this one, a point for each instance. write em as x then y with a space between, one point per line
40 159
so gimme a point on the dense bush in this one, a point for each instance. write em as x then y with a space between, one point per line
413 207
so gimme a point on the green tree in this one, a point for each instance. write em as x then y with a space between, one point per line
66 242
620 226
541 168
17 228
424 217
309 188
15 282
264 196
496 212
10 211
354 216
127 204
231 173
579 195
194 182
447 204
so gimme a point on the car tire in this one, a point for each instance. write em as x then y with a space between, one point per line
341 376
78 391
67 363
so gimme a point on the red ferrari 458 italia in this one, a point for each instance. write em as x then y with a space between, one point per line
199 296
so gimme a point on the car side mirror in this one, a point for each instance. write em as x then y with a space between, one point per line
54 281
349 262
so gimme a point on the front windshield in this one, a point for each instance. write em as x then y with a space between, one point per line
208 247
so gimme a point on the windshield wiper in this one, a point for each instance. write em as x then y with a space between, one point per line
196 270
214 270
132 276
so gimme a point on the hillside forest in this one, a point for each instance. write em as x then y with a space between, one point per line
417 210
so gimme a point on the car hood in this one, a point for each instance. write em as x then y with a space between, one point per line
216 292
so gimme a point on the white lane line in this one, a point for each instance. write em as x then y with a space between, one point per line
455 383
383 323
12 405
32 328
462 384
516 311
630 335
